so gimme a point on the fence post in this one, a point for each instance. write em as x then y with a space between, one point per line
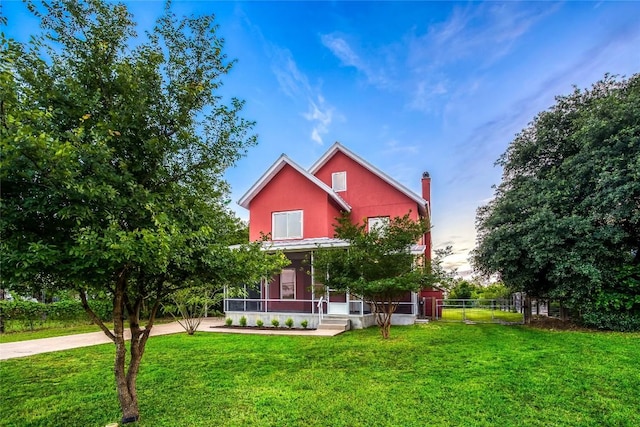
527 309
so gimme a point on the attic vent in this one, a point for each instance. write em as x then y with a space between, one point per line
339 181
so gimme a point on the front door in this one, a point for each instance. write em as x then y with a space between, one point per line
337 302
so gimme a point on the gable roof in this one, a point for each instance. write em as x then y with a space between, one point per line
282 161
422 203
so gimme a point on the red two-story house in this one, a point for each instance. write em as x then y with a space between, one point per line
297 208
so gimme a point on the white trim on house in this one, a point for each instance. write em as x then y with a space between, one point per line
422 203
283 160
305 245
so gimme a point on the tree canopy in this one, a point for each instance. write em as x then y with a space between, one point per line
378 265
113 156
565 220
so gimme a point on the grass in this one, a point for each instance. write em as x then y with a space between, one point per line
480 315
435 374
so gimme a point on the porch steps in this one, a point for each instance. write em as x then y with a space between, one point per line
335 323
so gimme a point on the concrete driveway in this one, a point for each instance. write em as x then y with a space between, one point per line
47 345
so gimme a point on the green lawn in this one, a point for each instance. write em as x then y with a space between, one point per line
480 315
436 374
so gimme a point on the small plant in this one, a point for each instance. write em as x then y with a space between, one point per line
304 324
259 323
229 321
289 323
275 323
243 321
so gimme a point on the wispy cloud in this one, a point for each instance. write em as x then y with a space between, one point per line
485 32
470 41
292 82
394 147
295 84
321 116
420 67
340 47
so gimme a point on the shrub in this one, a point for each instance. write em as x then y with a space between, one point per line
275 323
243 321
29 313
102 308
304 324
289 323
259 323
620 321
229 321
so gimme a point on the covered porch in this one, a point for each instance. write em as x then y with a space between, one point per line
293 294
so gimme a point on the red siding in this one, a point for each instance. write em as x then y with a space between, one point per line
289 190
367 193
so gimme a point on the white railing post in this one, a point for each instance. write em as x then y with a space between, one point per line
320 310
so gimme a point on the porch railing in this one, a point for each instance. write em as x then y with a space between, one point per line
319 306
271 305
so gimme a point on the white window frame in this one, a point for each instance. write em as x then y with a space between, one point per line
293 271
286 234
373 220
339 178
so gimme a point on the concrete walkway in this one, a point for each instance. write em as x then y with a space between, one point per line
47 345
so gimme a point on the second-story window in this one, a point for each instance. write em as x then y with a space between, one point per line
286 225
339 181
379 223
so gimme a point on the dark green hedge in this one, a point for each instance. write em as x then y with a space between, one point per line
612 321
32 312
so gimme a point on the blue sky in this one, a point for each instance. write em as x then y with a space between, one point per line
409 86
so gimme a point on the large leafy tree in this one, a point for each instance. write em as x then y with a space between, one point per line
565 220
377 266
112 163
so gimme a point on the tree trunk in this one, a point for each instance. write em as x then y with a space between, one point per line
2 297
384 312
125 383
126 378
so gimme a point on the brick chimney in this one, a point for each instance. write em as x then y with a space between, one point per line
426 194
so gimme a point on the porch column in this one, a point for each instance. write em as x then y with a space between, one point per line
313 287
224 299
266 295
348 299
414 303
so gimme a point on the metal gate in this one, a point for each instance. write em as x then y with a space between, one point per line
503 311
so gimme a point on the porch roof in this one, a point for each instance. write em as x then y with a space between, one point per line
301 245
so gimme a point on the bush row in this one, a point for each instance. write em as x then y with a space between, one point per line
613 321
66 310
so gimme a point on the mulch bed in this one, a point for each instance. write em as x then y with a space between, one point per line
263 328
555 324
